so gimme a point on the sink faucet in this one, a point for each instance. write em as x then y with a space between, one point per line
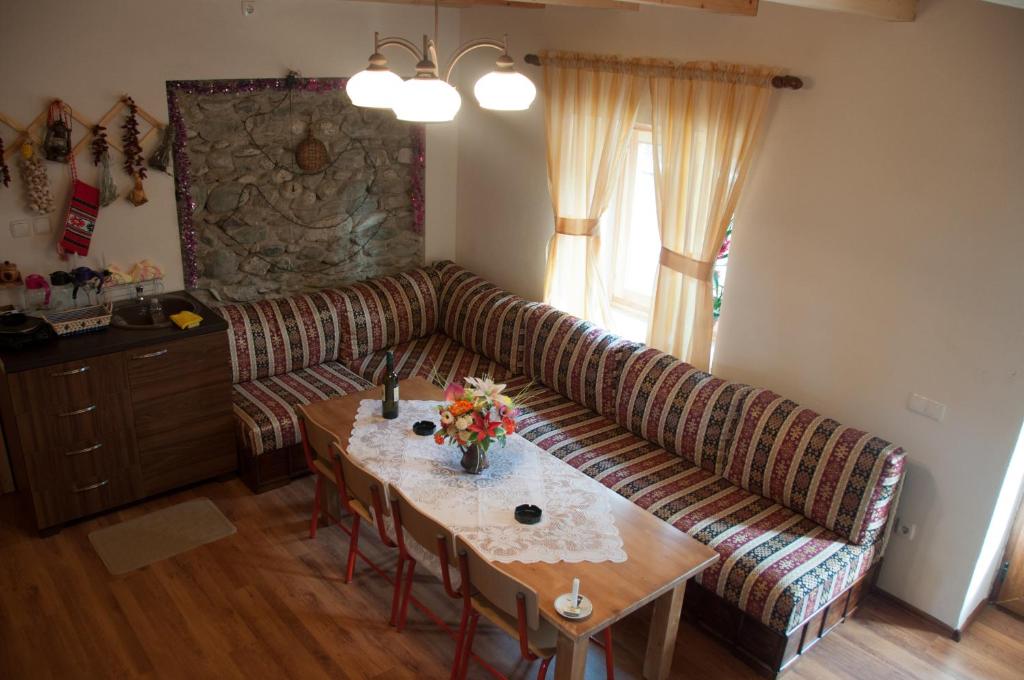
139 297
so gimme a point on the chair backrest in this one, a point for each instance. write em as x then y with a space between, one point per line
504 592
316 439
361 484
426 531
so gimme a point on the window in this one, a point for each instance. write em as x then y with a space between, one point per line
631 223
633 245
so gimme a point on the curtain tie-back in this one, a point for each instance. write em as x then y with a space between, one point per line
686 265
575 226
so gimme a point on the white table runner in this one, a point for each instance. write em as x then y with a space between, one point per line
577 523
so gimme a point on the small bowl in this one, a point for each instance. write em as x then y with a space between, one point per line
528 514
424 428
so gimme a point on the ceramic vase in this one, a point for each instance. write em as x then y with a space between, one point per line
474 460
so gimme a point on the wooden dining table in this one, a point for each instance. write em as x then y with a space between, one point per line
660 560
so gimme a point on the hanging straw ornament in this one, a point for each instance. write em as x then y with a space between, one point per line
5 172
137 195
37 184
133 163
57 143
101 157
161 158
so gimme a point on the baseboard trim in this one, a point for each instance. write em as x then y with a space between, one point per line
954 634
958 633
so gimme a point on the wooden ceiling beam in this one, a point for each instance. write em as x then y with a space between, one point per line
630 6
741 7
890 10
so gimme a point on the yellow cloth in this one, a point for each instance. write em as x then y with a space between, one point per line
186 320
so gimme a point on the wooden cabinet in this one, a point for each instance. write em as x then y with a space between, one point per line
181 399
94 433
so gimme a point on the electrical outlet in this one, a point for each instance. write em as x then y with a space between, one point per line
41 225
248 8
19 228
906 530
929 408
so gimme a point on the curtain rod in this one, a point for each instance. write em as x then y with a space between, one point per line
778 82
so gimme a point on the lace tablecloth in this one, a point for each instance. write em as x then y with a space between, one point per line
577 523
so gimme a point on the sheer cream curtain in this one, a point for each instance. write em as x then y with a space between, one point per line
590 107
705 120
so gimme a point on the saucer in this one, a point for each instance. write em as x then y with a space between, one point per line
585 608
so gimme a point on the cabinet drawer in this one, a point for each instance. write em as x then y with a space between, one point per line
86 496
62 387
178 366
106 420
186 437
63 467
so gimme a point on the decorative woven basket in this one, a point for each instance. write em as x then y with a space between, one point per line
311 154
83 320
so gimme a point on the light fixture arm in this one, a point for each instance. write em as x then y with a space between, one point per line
466 48
407 45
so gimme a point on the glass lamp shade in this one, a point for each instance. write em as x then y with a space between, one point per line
427 100
373 88
505 90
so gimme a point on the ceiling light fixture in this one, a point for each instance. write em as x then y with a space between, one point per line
426 98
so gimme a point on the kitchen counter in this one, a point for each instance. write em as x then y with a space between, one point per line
106 341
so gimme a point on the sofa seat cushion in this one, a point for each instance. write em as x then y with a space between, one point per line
278 335
482 317
775 564
842 478
265 408
574 357
689 412
386 311
436 355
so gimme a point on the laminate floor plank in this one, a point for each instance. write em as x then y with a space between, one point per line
268 602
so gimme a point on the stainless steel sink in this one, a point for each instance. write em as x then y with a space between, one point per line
147 314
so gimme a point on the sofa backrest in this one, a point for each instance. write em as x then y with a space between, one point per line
842 478
574 357
686 411
482 317
386 311
275 336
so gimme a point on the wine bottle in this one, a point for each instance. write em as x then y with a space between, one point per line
390 405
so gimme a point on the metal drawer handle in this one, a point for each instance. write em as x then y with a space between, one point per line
73 371
87 449
87 409
151 355
81 489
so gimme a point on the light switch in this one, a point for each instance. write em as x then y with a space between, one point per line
929 408
19 228
41 225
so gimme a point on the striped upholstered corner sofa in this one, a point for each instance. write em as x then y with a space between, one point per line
798 506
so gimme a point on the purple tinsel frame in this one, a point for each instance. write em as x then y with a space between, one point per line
182 165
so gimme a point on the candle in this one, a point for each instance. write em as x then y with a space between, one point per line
575 601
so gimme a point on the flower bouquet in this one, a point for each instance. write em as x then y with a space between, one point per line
476 415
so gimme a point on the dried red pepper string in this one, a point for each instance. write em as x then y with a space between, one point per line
133 162
5 172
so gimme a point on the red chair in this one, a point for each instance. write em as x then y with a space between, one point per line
430 537
316 447
359 491
512 606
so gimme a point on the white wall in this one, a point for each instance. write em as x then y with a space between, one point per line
878 244
89 56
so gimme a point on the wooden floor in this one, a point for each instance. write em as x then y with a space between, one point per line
268 602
